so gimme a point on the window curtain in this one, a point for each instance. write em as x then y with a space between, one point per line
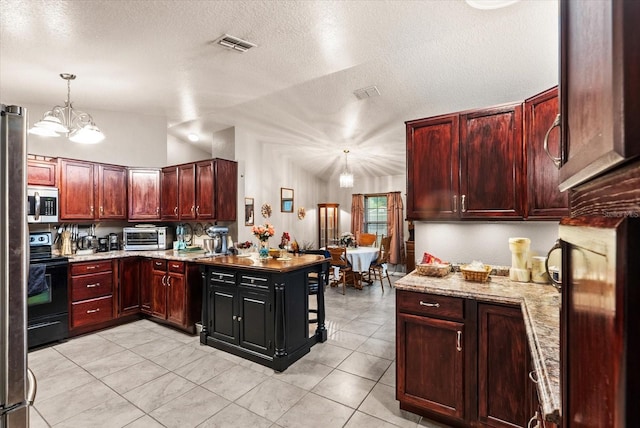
357 213
395 226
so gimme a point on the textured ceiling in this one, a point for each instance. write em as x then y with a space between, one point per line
295 89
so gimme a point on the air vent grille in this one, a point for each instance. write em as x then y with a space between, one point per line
368 92
235 43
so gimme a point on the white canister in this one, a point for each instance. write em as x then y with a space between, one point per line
519 252
538 270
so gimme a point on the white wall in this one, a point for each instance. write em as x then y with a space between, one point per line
179 151
464 242
131 139
261 174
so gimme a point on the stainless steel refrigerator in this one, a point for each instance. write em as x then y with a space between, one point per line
17 383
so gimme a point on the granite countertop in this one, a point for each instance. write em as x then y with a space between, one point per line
271 264
187 256
541 310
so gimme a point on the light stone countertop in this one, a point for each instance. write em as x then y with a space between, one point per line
541 311
187 256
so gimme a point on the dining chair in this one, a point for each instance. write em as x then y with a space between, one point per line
314 280
366 239
379 266
339 260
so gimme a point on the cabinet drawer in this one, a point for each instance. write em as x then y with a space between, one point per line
177 267
430 304
92 267
91 286
222 278
254 281
160 265
91 311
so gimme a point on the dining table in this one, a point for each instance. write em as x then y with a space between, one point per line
360 258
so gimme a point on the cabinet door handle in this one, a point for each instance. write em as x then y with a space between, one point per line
532 376
198 210
463 203
101 209
239 319
459 341
157 210
168 281
91 208
97 284
235 318
164 279
455 203
175 210
556 161
534 418
93 311
431 305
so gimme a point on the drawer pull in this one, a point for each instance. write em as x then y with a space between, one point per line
97 284
459 341
533 377
91 267
93 311
175 266
431 305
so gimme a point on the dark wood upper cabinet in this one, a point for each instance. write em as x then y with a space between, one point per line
41 173
187 191
544 198
77 190
599 57
205 185
169 197
226 190
112 192
432 167
491 163
144 194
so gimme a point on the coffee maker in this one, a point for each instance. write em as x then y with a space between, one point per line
113 242
219 235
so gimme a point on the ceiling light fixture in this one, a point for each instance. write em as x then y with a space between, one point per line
346 177
194 138
77 125
235 43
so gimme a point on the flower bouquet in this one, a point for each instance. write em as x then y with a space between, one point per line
347 239
263 233
284 241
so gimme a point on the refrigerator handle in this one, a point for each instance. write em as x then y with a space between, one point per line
32 387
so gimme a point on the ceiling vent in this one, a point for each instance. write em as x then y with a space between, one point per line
234 43
368 92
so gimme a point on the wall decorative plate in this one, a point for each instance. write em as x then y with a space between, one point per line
266 210
301 213
198 229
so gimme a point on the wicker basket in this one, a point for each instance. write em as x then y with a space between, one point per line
435 269
474 275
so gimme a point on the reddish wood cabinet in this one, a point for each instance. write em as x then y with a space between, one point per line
467 165
41 172
91 295
203 190
144 194
544 198
129 286
461 361
432 168
176 292
491 164
599 87
90 191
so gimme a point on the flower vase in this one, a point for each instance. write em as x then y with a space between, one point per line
263 250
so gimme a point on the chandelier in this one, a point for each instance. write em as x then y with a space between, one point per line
77 125
346 177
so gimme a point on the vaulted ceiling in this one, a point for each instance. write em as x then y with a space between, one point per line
296 87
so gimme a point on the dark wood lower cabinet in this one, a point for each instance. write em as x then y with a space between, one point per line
176 295
462 362
502 366
129 286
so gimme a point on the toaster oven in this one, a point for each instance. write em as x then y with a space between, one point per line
147 238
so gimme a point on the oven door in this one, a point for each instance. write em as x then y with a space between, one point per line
47 303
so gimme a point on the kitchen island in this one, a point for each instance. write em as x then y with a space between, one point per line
259 310
498 328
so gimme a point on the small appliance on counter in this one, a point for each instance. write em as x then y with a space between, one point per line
113 242
147 237
103 244
219 235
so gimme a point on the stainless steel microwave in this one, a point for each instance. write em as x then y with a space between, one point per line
42 204
147 238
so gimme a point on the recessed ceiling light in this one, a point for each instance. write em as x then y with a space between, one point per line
193 137
490 4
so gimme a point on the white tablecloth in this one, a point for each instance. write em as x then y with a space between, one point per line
360 258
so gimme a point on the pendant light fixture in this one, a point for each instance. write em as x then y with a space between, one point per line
346 177
77 125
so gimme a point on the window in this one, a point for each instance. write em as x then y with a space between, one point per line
375 214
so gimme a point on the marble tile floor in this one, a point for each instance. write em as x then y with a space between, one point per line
145 375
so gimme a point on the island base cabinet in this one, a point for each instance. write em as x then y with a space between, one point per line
431 362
